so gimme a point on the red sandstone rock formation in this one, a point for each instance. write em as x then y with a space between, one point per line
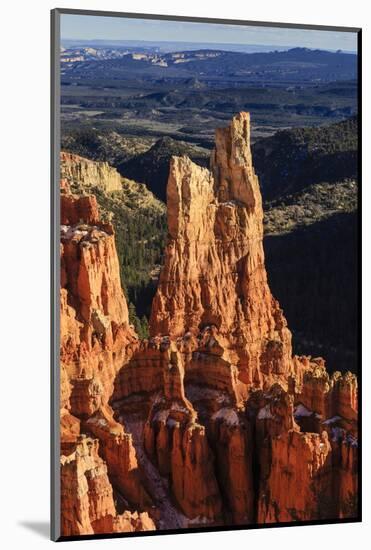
138 381
78 209
119 454
214 271
232 441
304 461
69 424
96 339
87 504
95 331
212 421
179 446
294 488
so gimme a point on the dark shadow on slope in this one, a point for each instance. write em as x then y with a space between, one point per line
152 167
312 271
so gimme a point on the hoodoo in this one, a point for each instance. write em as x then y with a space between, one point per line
96 339
214 272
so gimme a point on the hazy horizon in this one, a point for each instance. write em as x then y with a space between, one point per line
101 28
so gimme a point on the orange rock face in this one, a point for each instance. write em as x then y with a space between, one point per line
179 447
298 460
76 209
96 339
95 331
232 443
214 273
119 454
211 421
87 504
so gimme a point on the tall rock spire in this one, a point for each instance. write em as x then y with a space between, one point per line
214 272
231 164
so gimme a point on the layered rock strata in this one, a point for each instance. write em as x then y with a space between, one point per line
89 173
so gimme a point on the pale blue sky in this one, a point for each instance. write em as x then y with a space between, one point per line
89 27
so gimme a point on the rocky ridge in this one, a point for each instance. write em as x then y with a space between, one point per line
90 174
210 421
139 222
84 177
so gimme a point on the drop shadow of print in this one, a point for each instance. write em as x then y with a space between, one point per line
41 528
